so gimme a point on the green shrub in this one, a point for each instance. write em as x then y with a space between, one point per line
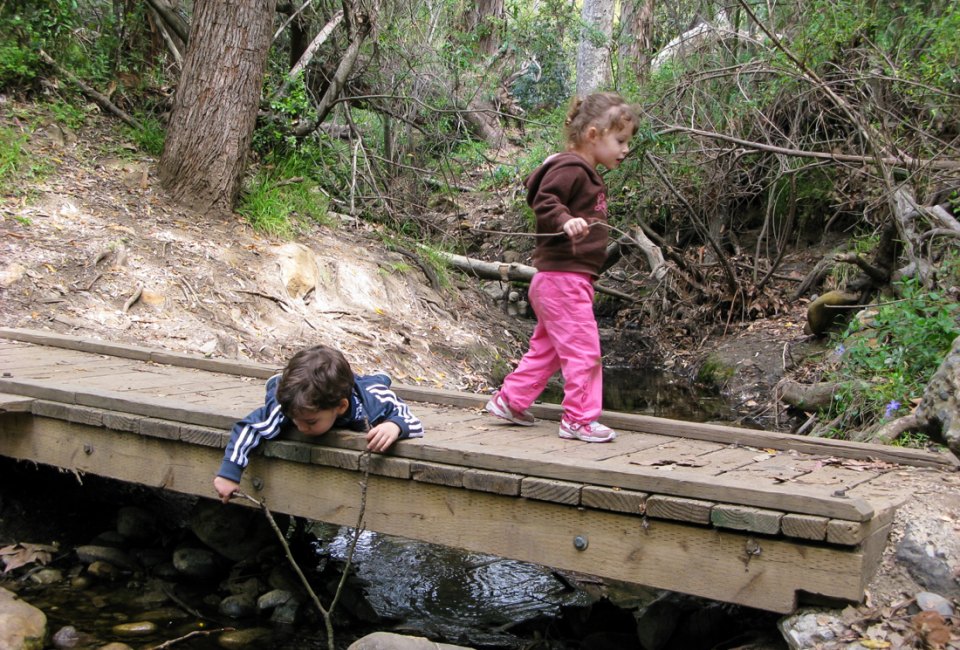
281 194
895 350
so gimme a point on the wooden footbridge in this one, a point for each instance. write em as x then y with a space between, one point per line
737 515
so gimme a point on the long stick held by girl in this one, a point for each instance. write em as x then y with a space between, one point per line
569 196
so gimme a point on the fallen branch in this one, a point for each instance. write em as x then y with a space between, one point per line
98 97
509 272
190 635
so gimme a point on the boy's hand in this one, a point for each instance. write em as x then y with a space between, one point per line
576 228
225 488
380 437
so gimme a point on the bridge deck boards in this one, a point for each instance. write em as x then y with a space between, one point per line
726 478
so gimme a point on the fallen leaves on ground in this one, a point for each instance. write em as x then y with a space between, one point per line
17 555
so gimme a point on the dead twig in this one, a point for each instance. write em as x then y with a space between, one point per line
96 96
190 635
327 612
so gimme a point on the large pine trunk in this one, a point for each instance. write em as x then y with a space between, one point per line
215 108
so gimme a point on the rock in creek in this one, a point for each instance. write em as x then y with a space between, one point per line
196 562
390 641
120 559
137 628
237 639
22 626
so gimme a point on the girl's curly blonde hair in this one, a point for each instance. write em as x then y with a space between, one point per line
600 110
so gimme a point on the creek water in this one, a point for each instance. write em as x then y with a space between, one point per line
446 594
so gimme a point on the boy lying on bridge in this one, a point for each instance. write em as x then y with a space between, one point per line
316 392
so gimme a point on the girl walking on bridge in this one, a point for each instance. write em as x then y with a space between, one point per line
569 199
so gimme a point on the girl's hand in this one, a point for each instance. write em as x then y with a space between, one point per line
380 437
225 488
576 228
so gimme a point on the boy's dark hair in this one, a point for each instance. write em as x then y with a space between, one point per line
315 378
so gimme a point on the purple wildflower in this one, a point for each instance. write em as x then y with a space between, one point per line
892 408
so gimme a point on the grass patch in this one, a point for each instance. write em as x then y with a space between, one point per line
282 196
16 163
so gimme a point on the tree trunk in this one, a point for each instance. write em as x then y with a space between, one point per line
215 107
484 17
636 17
593 53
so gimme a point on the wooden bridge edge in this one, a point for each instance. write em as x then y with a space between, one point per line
845 508
647 424
341 450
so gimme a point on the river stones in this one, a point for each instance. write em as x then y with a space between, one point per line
22 626
109 554
137 628
237 639
391 641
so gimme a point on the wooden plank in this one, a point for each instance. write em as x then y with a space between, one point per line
550 490
696 511
770 494
159 408
37 365
732 458
435 473
623 446
804 526
382 465
15 403
725 515
244 368
664 555
672 453
496 482
780 467
614 499
781 441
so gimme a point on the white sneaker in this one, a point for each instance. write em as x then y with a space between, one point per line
592 432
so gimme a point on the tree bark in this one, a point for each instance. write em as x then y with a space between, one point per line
636 17
486 18
215 106
593 53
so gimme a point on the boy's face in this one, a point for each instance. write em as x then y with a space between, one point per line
318 422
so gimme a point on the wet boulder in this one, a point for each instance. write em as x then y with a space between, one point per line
22 626
232 531
390 641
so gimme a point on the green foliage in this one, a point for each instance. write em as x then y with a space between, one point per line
67 114
281 194
150 137
895 351
544 38
16 163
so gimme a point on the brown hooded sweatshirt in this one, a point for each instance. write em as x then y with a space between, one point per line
563 187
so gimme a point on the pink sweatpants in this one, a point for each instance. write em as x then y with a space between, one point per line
566 338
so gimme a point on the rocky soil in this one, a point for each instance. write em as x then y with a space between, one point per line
92 248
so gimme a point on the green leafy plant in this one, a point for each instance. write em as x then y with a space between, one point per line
896 349
14 161
281 193
150 136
